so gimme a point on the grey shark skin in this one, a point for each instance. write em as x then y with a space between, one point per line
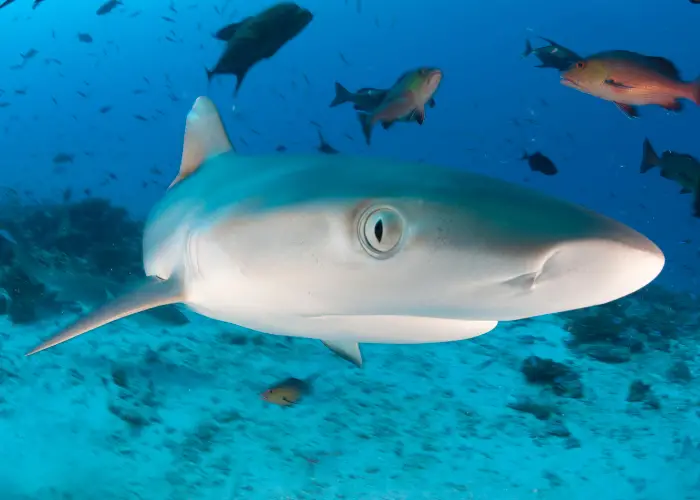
350 250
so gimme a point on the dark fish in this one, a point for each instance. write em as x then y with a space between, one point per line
258 37
540 163
108 6
324 147
37 3
62 158
105 109
281 148
84 37
29 54
6 3
553 55
683 169
288 392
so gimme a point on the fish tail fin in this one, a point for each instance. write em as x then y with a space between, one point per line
695 91
524 156
367 123
649 157
210 74
696 201
528 48
341 95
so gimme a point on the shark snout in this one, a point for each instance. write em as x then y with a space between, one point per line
594 271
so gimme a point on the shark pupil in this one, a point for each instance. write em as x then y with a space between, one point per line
379 230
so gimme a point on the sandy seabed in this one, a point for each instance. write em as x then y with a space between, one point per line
136 411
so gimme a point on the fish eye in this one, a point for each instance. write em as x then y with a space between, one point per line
580 64
380 230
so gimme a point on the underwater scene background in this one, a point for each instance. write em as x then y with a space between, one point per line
599 403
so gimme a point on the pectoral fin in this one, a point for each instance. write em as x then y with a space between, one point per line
394 330
348 350
152 293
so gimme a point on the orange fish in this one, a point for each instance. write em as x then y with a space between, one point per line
629 79
288 392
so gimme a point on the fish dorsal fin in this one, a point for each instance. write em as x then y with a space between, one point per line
150 294
229 31
204 137
665 67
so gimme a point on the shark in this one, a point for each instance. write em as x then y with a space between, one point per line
351 250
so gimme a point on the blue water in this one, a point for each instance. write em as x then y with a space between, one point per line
147 410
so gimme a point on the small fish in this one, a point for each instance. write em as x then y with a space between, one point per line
281 148
629 79
288 392
683 169
405 100
6 3
553 55
108 6
37 3
540 163
29 54
324 147
85 37
105 109
62 158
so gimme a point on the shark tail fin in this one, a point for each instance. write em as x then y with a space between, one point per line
204 137
341 95
528 48
152 293
649 157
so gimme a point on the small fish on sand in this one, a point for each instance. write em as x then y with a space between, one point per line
553 55
681 168
288 392
629 79
405 101
540 163
258 37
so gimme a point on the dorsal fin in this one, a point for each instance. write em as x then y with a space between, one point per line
204 137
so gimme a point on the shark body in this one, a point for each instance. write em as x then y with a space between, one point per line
353 250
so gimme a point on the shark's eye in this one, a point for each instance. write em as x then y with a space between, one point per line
380 231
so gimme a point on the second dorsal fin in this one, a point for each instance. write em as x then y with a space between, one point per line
204 137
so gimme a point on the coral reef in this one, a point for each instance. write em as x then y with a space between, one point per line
61 256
